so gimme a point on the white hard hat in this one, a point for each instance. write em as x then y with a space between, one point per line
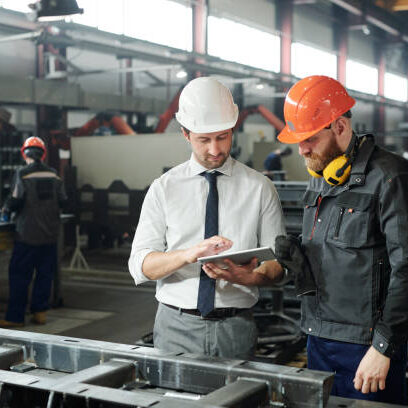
206 106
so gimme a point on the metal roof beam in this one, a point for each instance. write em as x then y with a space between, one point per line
375 16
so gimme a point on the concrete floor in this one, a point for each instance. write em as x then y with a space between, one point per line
132 311
103 304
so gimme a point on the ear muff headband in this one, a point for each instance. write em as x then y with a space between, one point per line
338 170
315 173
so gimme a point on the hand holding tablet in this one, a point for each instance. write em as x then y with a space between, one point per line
240 257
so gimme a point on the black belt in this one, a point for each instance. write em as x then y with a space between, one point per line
220 313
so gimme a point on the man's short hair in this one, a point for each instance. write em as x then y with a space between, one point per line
347 115
186 130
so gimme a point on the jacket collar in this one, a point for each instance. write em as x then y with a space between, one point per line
359 167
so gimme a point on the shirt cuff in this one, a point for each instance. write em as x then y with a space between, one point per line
135 265
381 344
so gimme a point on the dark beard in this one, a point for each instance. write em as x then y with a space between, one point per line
318 162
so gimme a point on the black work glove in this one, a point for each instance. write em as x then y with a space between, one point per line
289 254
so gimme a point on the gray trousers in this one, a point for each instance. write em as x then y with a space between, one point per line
232 337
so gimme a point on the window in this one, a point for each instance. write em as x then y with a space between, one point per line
16 5
395 87
240 43
361 77
111 16
89 16
159 21
306 60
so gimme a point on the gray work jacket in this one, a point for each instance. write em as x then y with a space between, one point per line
37 196
356 239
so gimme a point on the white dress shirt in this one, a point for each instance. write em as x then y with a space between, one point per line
173 217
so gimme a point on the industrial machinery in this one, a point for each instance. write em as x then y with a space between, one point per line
270 117
106 120
38 370
291 196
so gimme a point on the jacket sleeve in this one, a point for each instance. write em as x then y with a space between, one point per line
15 200
62 197
392 328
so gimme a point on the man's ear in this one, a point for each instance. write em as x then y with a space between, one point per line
342 130
185 134
341 126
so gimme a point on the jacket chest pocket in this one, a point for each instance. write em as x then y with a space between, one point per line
350 220
310 212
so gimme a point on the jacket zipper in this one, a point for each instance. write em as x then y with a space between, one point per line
337 230
319 200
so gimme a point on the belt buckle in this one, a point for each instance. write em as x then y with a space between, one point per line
219 314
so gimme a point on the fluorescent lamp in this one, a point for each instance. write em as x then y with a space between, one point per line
181 74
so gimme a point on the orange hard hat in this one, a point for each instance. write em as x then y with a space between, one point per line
33 142
312 104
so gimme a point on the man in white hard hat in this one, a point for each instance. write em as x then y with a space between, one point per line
204 206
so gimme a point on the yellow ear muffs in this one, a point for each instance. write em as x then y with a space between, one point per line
337 171
315 173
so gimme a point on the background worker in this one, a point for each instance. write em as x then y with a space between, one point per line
273 161
355 243
37 194
186 215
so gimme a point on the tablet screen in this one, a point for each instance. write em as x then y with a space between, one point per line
240 257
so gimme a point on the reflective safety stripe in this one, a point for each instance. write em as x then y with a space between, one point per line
42 174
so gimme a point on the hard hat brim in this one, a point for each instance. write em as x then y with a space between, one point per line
289 137
208 128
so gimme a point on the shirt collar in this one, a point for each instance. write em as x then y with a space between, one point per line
196 168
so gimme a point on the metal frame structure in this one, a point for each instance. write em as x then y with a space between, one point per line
53 371
88 38
38 370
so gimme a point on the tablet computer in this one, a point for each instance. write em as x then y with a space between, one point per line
240 257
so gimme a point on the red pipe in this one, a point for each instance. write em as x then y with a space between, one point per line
167 116
120 126
265 112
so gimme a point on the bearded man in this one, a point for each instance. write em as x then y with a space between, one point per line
355 244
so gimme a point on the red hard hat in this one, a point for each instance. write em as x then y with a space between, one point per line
34 141
312 104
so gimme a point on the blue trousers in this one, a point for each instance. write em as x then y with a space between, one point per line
24 260
344 359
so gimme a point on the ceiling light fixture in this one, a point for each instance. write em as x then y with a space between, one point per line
181 74
363 27
51 10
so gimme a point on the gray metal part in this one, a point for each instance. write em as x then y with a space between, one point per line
9 355
113 373
105 374
337 402
186 372
70 95
241 393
